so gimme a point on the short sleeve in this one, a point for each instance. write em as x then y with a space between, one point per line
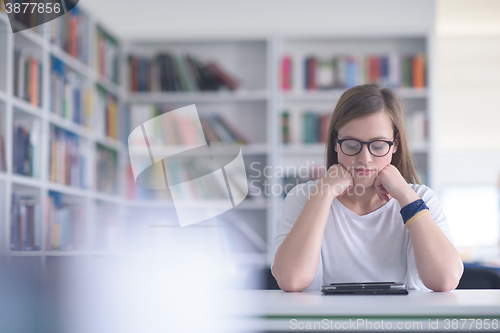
292 207
432 201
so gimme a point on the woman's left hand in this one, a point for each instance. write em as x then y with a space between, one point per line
389 181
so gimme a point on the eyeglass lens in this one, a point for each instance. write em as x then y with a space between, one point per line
377 148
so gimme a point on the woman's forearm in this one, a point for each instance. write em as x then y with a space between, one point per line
297 258
437 260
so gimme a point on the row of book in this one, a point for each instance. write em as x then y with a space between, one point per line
346 71
106 113
312 127
216 127
28 71
26 136
107 55
171 72
106 170
3 154
65 224
69 98
26 224
256 191
67 159
70 32
212 188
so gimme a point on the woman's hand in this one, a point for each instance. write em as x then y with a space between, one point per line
338 179
390 182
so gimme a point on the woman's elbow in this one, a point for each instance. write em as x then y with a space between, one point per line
446 284
292 286
291 283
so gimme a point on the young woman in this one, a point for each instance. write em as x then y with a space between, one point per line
367 218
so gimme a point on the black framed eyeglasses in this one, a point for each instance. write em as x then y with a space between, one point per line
378 148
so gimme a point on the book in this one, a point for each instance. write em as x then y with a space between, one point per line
346 71
229 81
23 152
25 232
106 170
67 94
3 157
64 223
306 127
107 55
67 159
285 127
71 32
324 79
27 82
286 72
106 120
178 73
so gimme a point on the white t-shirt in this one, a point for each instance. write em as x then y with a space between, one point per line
371 247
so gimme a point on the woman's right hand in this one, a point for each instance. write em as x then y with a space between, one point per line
338 179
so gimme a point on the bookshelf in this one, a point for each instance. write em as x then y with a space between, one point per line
89 102
54 200
249 62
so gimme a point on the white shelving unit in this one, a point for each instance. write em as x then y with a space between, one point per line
39 185
249 108
255 110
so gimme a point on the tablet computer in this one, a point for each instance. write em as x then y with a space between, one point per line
366 288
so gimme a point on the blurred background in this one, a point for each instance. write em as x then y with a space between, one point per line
265 75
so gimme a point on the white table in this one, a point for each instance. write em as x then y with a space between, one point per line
420 311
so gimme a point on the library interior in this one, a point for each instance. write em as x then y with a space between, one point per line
147 149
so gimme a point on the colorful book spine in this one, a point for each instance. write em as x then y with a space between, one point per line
107 55
216 127
286 72
285 127
313 127
106 170
70 33
3 156
28 71
67 159
341 72
25 223
67 94
64 224
107 114
23 156
171 72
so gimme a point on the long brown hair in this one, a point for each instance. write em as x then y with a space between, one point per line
365 100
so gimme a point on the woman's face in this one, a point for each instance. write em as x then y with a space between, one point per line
374 127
